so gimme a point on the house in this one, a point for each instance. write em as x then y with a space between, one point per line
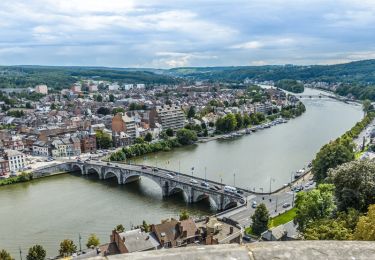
123 123
168 116
134 241
16 159
288 231
4 167
41 148
174 233
41 89
219 231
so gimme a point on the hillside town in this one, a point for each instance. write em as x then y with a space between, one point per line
92 117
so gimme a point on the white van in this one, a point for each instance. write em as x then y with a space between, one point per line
230 189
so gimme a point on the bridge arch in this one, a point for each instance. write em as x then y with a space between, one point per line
179 190
111 174
77 168
230 204
211 200
92 170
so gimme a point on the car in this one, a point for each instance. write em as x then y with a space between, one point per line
286 205
155 169
116 165
217 187
212 188
246 238
242 201
239 191
108 163
144 167
194 181
205 184
254 204
169 176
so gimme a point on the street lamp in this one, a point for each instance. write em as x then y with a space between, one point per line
234 179
205 174
271 180
192 171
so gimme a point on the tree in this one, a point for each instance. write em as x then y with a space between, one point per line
99 98
36 252
169 132
92 241
67 248
53 106
120 228
103 140
148 137
146 227
365 229
327 229
366 106
111 98
239 121
191 112
260 219
28 105
354 184
246 120
228 123
186 136
330 156
4 255
103 111
118 110
314 205
184 215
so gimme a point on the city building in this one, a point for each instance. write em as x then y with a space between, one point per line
134 241
4 167
41 148
16 159
42 89
168 117
123 123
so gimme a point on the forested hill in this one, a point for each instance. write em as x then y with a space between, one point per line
361 72
63 77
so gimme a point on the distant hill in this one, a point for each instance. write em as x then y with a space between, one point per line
63 77
361 72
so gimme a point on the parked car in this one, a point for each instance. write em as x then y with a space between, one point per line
108 163
254 204
205 184
286 205
155 169
144 167
169 176
194 181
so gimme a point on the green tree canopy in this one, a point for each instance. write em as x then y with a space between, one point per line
184 215
314 205
228 123
186 136
4 255
148 137
36 252
67 248
365 229
354 184
366 105
169 132
330 156
92 241
103 140
327 229
191 112
260 219
120 228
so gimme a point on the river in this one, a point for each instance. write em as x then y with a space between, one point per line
48 210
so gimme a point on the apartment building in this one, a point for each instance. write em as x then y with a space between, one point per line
16 159
124 123
168 117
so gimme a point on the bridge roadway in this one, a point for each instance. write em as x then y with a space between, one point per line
170 182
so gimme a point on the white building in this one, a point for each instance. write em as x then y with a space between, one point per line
17 160
42 89
40 148
128 86
140 86
113 87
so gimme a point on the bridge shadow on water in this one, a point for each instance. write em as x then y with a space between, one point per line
145 188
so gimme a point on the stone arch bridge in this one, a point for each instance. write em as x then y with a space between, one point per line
170 182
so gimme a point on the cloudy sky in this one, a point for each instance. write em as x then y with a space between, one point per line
164 34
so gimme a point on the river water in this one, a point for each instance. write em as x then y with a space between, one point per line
48 210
